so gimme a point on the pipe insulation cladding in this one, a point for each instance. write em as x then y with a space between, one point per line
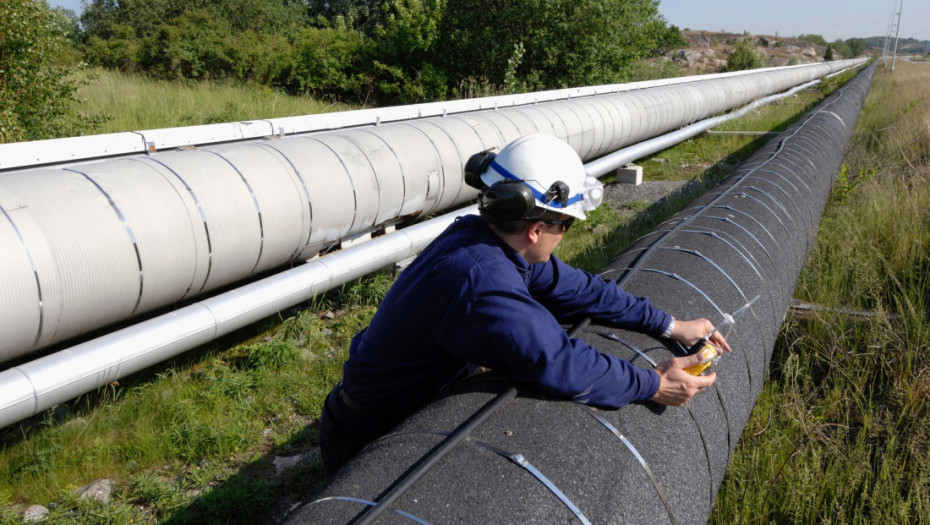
88 244
488 451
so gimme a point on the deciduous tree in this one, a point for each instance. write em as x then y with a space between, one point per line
35 92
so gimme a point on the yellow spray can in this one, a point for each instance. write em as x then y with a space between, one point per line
709 353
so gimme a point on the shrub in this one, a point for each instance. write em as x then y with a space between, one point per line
331 62
120 51
263 58
193 45
35 92
744 57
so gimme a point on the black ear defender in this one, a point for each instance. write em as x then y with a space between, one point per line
508 200
475 166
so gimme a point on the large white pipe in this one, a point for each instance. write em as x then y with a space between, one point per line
40 384
92 243
73 149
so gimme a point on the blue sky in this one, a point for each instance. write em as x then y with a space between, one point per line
830 18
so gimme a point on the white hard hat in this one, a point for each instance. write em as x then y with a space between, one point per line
553 172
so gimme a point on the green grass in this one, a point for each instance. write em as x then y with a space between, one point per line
133 102
841 433
838 435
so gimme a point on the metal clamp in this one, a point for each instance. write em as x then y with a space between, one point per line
407 515
520 460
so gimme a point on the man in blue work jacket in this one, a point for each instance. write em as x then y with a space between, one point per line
488 292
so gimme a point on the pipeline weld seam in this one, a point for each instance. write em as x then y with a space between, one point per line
303 183
642 461
455 146
203 219
606 116
439 163
348 176
35 272
132 237
347 136
405 514
521 461
258 209
568 104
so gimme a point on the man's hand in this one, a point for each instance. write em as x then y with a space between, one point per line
677 386
689 332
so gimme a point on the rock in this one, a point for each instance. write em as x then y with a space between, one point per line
282 463
34 514
98 490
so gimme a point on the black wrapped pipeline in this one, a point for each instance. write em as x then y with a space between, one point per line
488 451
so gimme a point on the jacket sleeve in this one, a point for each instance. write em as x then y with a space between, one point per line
572 294
497 323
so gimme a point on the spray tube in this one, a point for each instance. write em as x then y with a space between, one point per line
709 353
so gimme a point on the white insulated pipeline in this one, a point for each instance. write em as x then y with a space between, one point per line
43 383
73 149
89 244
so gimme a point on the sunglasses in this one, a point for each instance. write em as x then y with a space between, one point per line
564 223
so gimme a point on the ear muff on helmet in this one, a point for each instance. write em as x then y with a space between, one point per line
511 198
476 166
507 200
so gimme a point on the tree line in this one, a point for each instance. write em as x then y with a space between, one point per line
375 52
379 52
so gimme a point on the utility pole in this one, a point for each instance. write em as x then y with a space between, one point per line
896 25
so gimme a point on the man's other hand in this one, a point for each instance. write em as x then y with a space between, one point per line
676 386
689 332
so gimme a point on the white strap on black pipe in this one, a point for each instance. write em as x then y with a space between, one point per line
636 454
520 460
407 515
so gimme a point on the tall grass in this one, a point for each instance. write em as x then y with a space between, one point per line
841 433
132 102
